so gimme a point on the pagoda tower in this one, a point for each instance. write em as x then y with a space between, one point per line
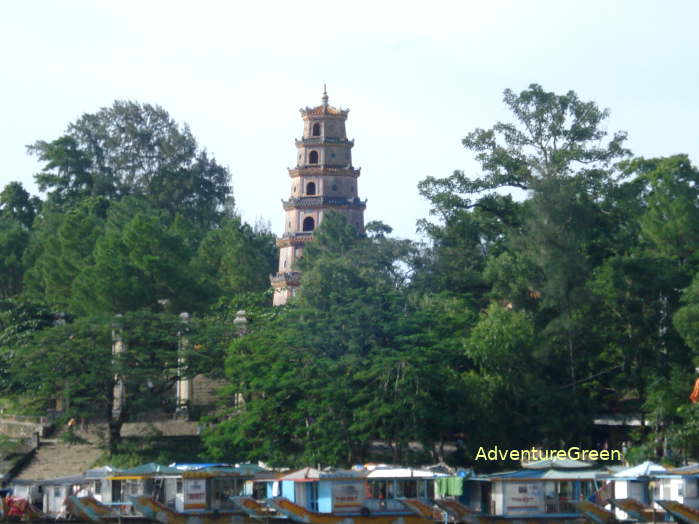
323 180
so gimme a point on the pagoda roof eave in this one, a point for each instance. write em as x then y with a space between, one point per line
323 170
323 110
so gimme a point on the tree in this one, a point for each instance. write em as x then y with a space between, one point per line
13 241
149 361
16 203
555 135
344 365
61 248
133 149
235 259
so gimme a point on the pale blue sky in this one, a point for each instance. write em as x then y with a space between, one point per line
416 77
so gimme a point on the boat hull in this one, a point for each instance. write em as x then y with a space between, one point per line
300 514
157 512
680 512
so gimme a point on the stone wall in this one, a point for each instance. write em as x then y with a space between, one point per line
23 427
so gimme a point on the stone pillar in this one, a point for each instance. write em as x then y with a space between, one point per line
118 348
183 387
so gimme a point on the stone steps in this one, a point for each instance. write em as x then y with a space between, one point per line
56 458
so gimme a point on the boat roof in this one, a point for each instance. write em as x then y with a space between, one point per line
309 474
243 470
398 472
187 466
147 470
558 464
63 481
546 474
645 469
103 472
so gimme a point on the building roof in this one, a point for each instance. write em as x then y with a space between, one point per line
324 110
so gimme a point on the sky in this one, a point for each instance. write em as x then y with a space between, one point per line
416 76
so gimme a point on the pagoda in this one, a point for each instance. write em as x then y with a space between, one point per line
323 180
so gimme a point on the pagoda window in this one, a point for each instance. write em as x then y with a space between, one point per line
313 157
316 130
309 224
311 188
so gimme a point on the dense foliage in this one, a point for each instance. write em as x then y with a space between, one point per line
558 286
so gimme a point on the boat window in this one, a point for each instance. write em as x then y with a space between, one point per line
133 487
116 491
225 488
382 489
312 494
98 487
179 486
406 488
259 490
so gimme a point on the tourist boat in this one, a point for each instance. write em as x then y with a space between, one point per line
371 494
542 491
202 494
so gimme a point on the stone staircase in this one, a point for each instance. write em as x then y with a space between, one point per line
57 458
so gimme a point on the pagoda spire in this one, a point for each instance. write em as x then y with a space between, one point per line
324 98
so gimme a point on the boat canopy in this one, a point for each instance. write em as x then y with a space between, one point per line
147 470
546 474
645 469
558 464
244 470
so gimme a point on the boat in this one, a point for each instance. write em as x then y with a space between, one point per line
158 512
301 514
202 494
89 508
636 510
545 491
595 513
681 512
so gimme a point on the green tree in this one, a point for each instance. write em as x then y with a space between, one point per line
342 366
61 247
143 264
13 241
149 360
15 202
133 149
235 259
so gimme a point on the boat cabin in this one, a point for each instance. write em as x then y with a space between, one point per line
150 480
541 488
211 488
56 491
355 491
638 483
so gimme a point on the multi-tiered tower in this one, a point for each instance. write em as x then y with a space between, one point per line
322 180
